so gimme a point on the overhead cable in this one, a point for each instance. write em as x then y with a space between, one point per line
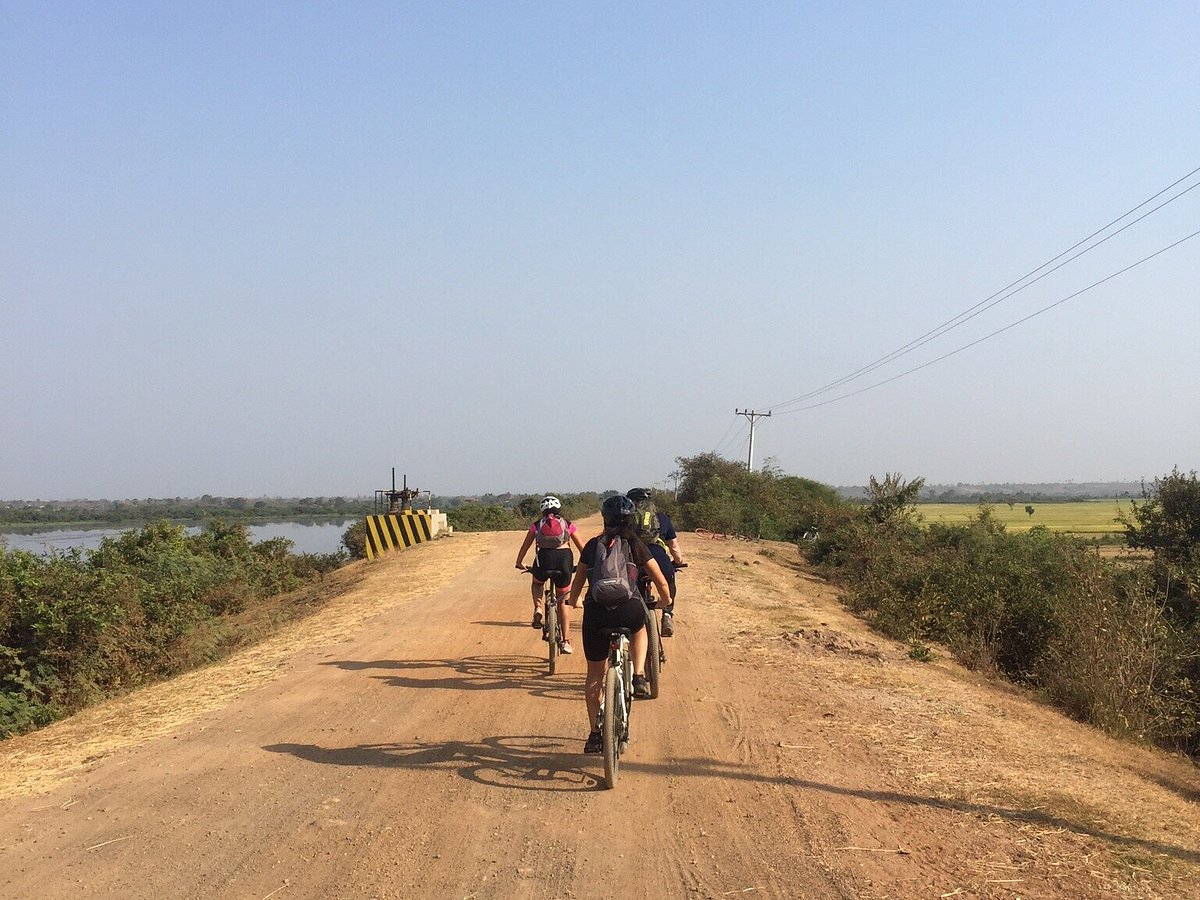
1011 325
1004 293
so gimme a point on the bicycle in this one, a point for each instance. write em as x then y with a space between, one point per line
616 704
656 655
552 632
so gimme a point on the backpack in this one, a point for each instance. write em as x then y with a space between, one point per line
552 533
645 521
613 572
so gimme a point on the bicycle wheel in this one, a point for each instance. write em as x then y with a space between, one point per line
653 652
551 626
612 726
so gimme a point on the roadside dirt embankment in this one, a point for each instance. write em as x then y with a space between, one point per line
405 741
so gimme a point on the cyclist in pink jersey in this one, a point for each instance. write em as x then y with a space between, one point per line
553 561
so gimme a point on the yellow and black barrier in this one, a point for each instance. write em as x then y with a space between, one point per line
395 532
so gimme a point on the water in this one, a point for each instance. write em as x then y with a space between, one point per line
306 537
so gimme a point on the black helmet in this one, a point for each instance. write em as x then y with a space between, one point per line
638 494
617 511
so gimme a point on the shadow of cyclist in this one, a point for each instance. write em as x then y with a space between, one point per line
519 762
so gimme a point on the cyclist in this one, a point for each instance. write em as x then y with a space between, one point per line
658 532
552 561
599 620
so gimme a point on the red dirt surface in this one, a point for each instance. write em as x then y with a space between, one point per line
406 741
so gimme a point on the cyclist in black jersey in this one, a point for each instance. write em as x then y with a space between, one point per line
599 619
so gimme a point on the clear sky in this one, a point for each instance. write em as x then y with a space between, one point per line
276 249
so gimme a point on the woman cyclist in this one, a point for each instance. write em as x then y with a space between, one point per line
552 562
599 620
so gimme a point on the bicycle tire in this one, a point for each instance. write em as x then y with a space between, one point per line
552 633
611 726
653 652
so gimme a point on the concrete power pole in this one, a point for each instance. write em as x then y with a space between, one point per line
751 415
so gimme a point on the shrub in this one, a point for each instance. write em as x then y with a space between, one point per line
1107 643
151 602
720 495
354 539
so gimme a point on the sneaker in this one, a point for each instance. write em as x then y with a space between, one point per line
566 648
641 687
594 743
668 625
537 620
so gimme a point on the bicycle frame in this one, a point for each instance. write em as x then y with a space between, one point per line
613 721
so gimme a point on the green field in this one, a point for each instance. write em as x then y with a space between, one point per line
1086 517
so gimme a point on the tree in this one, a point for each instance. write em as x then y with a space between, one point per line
891 501
1168 521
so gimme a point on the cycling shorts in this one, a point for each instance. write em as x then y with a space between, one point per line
599 620
555 564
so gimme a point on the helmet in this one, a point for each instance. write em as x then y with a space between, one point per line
549 503
617 510
638 494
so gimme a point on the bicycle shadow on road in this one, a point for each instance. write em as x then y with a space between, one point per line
475 673
520 762
711 768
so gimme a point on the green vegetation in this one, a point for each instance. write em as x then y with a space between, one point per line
150 603
1114 644
717 494
98 512
1086 518
521 509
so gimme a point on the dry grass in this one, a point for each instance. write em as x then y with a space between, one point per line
974 744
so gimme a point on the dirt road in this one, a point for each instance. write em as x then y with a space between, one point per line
406 742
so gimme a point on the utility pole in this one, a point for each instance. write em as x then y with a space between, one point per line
751 415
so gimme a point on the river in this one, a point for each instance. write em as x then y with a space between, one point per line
306 537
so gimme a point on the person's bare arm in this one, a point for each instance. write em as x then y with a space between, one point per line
660 582
581 572
525 545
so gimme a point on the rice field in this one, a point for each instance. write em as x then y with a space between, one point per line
1086 518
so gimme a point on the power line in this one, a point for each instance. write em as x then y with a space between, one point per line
1003 294
716 447
1011 325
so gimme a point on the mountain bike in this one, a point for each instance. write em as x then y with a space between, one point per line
616 703
656 656
552 632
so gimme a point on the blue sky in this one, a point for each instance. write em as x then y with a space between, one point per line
278 249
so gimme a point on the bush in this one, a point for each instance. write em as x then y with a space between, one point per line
354 539
1106 643
721 495
485 518
151 602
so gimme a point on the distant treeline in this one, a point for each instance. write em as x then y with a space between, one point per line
179 509
1047 492
467 513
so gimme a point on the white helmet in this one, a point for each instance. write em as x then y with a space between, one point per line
550 503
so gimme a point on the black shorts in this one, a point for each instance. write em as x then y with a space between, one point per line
599 620
556 564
